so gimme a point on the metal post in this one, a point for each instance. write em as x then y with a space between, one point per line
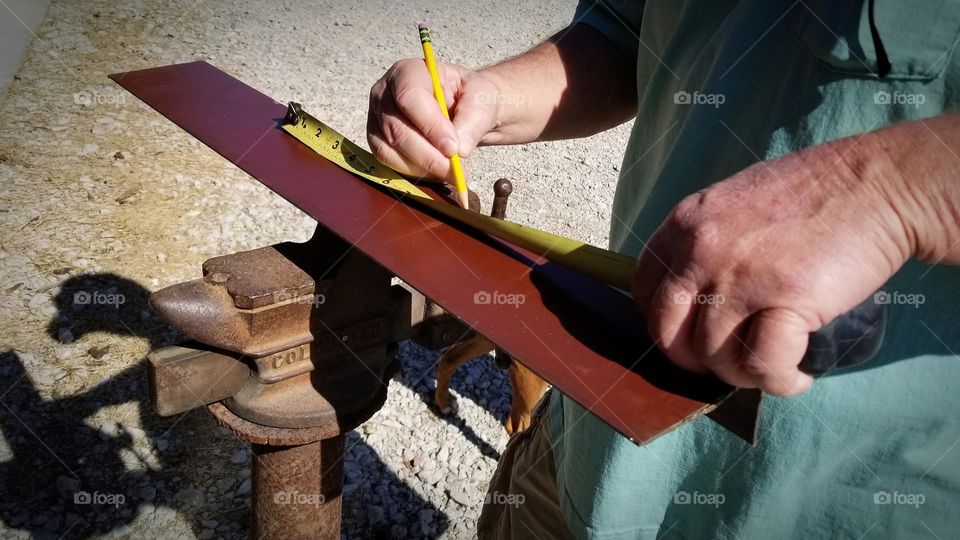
296 490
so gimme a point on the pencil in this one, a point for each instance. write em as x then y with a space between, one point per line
431 62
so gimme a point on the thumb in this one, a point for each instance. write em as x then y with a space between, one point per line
474 117
775 345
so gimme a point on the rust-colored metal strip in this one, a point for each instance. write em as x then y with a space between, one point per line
583 337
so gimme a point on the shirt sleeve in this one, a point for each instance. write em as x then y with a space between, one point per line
618 20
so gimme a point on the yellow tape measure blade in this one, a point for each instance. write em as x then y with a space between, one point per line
606 266
333 146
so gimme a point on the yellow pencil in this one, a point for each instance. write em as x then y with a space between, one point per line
431 62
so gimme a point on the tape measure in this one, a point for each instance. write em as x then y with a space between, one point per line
603 265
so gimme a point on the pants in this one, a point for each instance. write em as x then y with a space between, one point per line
522 500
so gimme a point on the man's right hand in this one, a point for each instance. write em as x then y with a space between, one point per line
407 131
574 84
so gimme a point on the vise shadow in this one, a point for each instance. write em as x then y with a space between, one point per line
67 478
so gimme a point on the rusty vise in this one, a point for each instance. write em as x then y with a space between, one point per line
292 347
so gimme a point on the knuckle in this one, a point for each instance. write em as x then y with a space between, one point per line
406 63
714 363
676 290
695 228
377 148
797 284
383 157
382 152
376 91
401 73
394 132
436 166
711 338
772 379
704 238
396 68
755 367
658 326
404 97
685 212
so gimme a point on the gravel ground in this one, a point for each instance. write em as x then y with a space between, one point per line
100 196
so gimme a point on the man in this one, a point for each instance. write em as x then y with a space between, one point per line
788 159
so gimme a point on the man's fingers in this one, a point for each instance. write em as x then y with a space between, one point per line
419 156
671 319
776 342
390 156
413 94
407 129
648 274
719 339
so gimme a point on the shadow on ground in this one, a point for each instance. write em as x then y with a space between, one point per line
68 476
479 380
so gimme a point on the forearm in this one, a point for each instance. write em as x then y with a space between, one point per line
575 84
917 165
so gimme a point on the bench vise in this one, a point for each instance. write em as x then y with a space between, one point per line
291 346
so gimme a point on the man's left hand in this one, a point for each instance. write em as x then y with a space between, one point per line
739 274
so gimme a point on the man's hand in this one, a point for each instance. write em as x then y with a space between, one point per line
407 131
576 83
740 273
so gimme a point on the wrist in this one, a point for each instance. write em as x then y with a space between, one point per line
920 179
501 115
520 115
872 175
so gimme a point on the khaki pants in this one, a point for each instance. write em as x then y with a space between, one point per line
522 500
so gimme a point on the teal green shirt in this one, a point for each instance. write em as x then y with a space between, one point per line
872 452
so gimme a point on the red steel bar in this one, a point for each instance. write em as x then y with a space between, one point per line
581 336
